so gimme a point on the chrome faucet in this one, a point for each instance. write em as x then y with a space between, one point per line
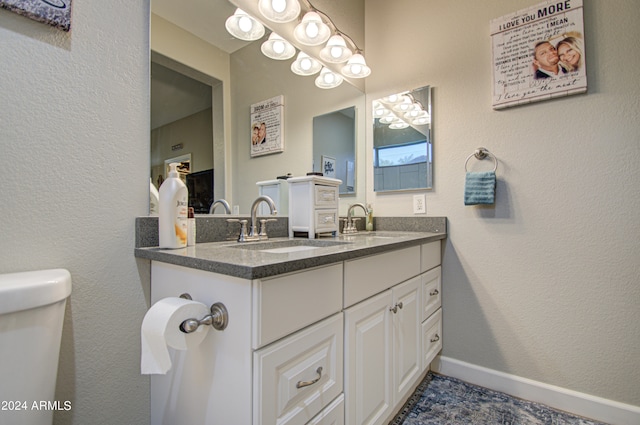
350 226
254 233
222 202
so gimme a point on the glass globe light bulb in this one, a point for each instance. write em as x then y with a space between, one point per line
329 78
305 64
279 5
278 47
245 23
312 30
336 51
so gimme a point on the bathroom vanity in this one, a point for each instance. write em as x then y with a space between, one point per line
320 331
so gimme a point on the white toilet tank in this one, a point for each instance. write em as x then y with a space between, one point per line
31 315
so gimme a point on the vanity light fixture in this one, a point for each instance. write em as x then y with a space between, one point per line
392 98
356 67
279 10
424 120
389 119
314 29
305 65
277 48
311 31
336 50
244 27
405 110
328 79
398 125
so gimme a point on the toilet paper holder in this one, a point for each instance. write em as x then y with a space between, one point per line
219 318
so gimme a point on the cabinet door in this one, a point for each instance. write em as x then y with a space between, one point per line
368 398
407 314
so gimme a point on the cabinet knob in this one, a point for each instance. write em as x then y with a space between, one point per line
434 292
436 338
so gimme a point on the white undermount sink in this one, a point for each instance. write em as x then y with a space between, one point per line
287 246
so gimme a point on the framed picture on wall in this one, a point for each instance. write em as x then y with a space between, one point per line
328 166
538 54
56 13
267 123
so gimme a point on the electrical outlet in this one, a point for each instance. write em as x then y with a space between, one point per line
419 204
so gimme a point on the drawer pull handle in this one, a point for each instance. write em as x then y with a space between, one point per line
395 308
434 292
435 338
302 384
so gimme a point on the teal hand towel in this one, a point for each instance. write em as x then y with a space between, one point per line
480 188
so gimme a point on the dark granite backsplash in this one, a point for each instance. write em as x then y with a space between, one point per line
217 229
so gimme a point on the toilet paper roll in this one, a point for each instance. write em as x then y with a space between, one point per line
161 330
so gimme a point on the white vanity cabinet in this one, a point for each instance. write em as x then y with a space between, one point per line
384 333
344 343
313 205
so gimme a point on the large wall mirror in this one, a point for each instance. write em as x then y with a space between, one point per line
192 34
402 142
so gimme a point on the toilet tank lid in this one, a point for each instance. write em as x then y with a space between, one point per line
26 290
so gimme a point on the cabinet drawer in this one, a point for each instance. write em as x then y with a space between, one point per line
333 414
431 256
431 338
294 379
284 304
368 276
326 220
326 196
431 291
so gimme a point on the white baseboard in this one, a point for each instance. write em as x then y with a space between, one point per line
588 406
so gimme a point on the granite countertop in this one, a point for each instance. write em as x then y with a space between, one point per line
255 260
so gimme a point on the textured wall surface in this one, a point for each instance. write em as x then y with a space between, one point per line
544 284
74 137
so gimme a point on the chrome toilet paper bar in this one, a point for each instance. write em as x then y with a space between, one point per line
219 318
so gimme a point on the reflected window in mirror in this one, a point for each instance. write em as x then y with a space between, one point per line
334 137
402 142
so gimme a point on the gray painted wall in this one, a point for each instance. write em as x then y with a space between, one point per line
544 284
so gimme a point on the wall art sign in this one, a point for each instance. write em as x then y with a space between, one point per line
538 53
56 13
267 124
328 166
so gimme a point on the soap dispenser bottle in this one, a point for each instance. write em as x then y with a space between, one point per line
172 223
369 225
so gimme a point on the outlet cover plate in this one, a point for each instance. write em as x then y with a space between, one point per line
419 204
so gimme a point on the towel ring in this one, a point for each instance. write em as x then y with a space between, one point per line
481 153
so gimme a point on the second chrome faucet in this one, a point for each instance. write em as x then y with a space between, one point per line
255 233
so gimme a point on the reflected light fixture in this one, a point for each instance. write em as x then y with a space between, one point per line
336 50
398 125
356 67
277 47
389 119
244 27
305 65
279 10
311 31
405 111
328 79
